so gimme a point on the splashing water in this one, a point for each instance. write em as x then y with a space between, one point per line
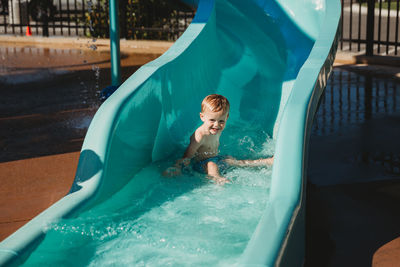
96 70
93 47
187 220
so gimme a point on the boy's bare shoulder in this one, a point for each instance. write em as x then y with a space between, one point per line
197 136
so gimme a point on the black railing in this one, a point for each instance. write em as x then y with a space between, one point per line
370 27
161 20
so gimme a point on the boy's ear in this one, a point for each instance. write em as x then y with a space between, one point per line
201 116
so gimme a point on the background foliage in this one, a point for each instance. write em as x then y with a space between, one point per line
140 19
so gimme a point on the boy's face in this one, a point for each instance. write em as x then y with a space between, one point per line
214 122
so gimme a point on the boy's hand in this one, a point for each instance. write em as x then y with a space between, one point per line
172 171
219 180
222 181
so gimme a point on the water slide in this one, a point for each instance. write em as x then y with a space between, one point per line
271 59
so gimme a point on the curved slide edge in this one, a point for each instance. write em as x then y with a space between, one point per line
279 239
91 167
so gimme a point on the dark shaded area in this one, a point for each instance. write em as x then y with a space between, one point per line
353 195
50 115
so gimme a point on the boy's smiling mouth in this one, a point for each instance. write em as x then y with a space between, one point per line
214 130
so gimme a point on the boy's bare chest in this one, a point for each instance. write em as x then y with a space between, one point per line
210 145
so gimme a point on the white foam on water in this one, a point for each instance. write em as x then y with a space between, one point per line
158 221
202 224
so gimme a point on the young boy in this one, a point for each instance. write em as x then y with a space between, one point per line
204 143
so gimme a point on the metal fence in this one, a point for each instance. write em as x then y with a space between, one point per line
161 20
370 27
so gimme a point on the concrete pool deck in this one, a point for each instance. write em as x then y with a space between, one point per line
350 223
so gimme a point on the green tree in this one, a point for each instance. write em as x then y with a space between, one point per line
139 19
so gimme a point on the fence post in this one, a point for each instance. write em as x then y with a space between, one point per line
114 44
370 28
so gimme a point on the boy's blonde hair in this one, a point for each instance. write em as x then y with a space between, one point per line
215 103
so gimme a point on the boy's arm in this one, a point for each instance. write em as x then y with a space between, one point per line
250 163
195 143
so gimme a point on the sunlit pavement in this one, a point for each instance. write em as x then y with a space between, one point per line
50 92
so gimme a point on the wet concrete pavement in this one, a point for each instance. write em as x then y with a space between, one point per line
49 94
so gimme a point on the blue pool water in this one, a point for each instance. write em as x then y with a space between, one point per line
186 220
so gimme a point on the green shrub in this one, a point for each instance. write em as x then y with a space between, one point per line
139 19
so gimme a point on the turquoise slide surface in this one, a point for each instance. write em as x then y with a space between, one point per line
271 59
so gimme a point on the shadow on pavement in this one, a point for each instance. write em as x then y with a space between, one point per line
353 193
